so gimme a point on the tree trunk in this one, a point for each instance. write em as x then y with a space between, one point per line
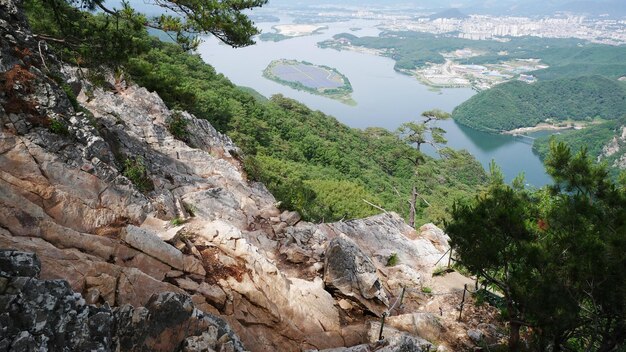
514 336
412 203
558 341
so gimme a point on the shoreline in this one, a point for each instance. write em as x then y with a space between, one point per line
543 126
342 94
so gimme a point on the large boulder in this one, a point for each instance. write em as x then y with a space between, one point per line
425 325
351 274
168 321
384 234
42 315
14 263
151 244
397 341
261 297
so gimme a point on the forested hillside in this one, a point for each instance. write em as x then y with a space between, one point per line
310 161
565 57
517 104
595 139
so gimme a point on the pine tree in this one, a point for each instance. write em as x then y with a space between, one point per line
418 134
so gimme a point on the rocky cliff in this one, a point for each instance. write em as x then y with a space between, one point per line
127 215
42 315
614 150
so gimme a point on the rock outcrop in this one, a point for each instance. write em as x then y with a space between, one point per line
351 273
615 150
46 315
193 230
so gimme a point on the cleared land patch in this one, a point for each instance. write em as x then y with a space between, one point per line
288 31
312 78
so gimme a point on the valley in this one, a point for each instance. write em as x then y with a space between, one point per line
384 97
341 186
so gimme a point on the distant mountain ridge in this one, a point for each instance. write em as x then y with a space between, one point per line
613 8
450 13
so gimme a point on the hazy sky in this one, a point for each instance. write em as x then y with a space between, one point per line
613 8
523 7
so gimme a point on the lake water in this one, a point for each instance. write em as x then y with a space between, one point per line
384 97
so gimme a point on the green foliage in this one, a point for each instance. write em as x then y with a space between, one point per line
117 29
71 96
423 132
440 271
135 170
177 221
516 104
58 127
418 133
393 260
223 19
553 252
483 296
86 39
177 125
594 137
427 290
309 161
567 58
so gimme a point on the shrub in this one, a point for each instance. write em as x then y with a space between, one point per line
135 170
440 271
177 221
393 259
177 126
71 96
58 127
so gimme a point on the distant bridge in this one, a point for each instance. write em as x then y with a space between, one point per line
523 136
520 135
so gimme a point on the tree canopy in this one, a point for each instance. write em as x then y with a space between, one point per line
183 20
556 254
517 104
417 134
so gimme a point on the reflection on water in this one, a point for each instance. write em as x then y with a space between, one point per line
384 97
484 141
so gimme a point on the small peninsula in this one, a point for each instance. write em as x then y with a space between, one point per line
315 79
288 31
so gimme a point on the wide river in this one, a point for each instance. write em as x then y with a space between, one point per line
384 97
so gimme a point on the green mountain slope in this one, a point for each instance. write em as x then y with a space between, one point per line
517 104
311 162
566 58
604 142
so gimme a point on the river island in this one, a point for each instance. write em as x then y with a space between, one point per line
316 79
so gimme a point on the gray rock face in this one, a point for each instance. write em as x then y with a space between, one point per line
425 325
46 315
151 244
406 343
351 273
303 243
395 343
475 335
390 232
42 315
19 264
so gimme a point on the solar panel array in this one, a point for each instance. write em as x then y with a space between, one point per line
310 76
